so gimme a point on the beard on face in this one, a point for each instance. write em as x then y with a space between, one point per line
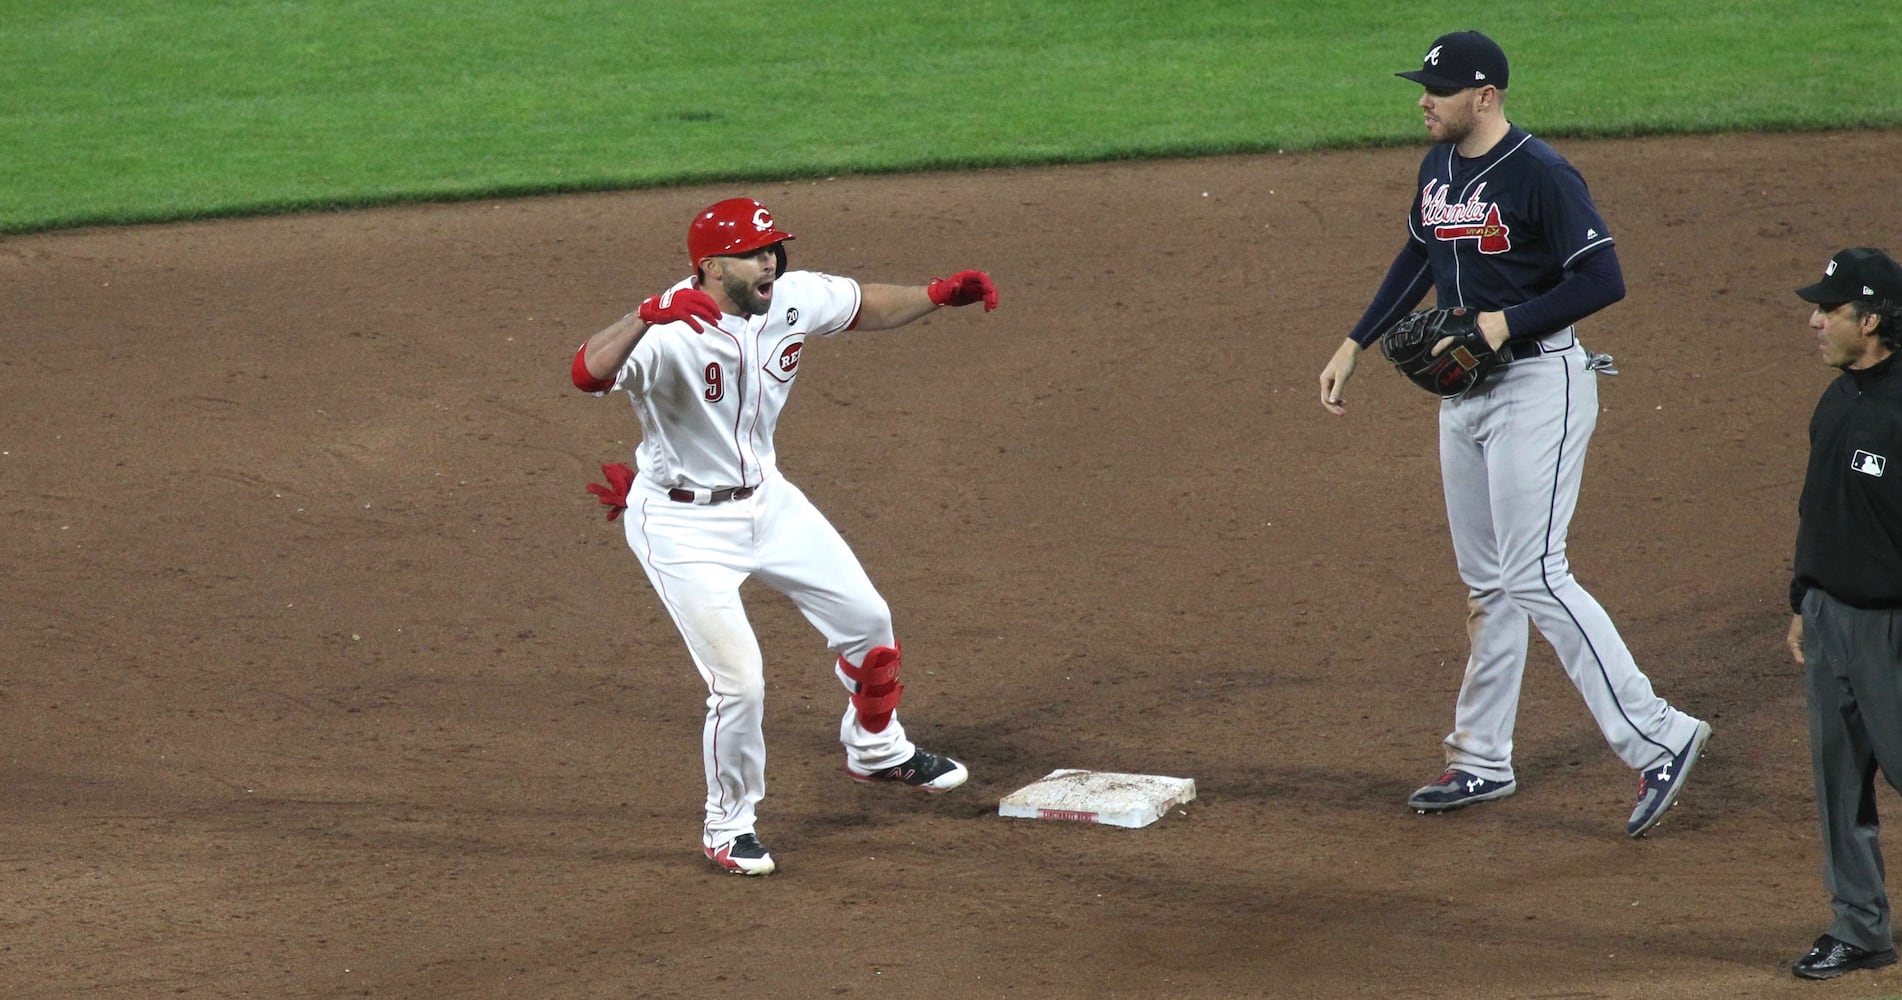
1454 129
744 295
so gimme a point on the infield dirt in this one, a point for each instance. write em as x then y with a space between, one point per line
326 678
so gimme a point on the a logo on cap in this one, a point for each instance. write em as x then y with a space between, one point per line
1866 290
1831 269
1869 464
1477 75
762 221
1433 55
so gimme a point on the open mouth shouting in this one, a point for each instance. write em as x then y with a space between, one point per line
750 294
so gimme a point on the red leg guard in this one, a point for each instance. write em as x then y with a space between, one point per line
878 687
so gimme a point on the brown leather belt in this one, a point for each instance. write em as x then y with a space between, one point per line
717 496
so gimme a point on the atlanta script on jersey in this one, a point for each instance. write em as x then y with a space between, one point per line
1502 228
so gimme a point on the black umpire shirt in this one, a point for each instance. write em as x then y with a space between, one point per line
1849 531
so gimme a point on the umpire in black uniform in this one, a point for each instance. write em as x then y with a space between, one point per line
1846 596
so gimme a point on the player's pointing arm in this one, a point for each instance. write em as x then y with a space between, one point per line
888 306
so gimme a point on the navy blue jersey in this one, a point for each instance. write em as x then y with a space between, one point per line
1504 228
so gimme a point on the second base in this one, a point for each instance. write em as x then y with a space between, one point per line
1127 800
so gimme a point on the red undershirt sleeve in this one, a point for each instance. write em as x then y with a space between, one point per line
583 378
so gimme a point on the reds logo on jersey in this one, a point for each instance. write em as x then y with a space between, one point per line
1473 219
783 363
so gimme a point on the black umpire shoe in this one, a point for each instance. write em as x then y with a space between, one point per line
1829 958
929 771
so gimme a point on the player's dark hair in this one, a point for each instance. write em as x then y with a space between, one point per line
1888 315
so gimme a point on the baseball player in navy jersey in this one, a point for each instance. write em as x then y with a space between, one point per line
708 365
1503 225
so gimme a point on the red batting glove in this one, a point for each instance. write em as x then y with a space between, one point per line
683 305
614 495
962 289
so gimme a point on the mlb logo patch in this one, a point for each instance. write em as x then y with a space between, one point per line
1869 464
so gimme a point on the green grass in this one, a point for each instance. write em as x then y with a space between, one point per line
144 111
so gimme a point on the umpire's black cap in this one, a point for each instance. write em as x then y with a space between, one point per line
1459 61
1856 273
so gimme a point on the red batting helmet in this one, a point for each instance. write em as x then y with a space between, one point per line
733 227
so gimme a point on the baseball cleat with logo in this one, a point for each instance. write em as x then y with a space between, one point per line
1457 788
929 771
743 855
1658 787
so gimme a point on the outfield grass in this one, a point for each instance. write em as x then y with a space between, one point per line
142 110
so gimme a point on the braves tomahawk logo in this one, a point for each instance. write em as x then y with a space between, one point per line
1473 219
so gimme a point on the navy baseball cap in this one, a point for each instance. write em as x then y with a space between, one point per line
1856 273
1461 60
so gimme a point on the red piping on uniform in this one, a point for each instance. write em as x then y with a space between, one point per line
759 404
739 406
759 398
856 309
660 587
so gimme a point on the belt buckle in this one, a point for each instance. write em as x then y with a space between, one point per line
683 495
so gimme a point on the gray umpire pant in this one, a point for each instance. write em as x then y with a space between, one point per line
1854 666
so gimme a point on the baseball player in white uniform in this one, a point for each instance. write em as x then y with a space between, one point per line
708 364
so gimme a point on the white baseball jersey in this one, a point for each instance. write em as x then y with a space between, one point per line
708 401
